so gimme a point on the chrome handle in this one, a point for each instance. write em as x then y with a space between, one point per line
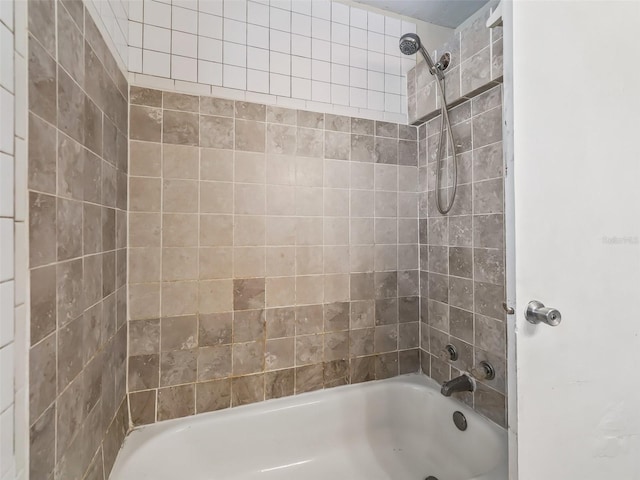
536 312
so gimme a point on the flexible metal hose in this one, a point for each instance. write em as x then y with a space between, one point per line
444 115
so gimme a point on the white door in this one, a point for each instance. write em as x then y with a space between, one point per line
576 204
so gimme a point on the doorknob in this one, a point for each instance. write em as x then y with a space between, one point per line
536 312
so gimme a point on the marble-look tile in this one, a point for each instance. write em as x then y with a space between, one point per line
42 439
248 294
250 111
249 136
145 96
362 148
309 378
178 367
362 369
386 365
180 128
179 101
491 404
42 81
247 389
43 302
42 376
310 142
214 395
215 329
42 155
281 139
214 362
176 402
146 123
280 383
310 119
281 115
409 361
144 372
216 106
216 132
143 407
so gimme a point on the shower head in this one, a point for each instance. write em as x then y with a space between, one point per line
410 44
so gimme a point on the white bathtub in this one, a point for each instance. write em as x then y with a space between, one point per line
397 429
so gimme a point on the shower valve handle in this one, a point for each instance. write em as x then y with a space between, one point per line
536 313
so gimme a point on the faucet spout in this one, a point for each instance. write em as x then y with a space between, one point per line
463 383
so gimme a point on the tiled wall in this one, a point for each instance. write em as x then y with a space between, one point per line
476 65
462 274
77 182
112 19
13 266
319 51
271 252
462 253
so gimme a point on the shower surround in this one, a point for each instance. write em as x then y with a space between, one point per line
462 256
77 181
271 252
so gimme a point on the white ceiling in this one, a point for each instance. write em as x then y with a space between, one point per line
447 13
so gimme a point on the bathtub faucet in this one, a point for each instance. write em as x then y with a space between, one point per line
463 383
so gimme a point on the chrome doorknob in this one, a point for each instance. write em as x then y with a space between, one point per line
536 312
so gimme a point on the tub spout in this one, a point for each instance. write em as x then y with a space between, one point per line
463 383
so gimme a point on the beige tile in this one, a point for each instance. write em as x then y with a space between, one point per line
179 264
212 396
309 172
336 231
336 202
336 259
310 143
144 229
248 357
336 288
248 293
309 260
281 139
180 196
216 197
144 194
216 230
179 298
216 164
280 200
248 262
144 265
215 263
250 111
280 291
216 106
281 231
247 389
249 167
144 300
248 326
249 199
214 362
179 230
180 161
180 128
280 261
281 169
309 349
215 329
180 101
309 289
249 230
145 159
279 353
146 123
176 402
249 136
309 231
336 174
309 201
215 296
336 346
145 96
216 132
281 115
